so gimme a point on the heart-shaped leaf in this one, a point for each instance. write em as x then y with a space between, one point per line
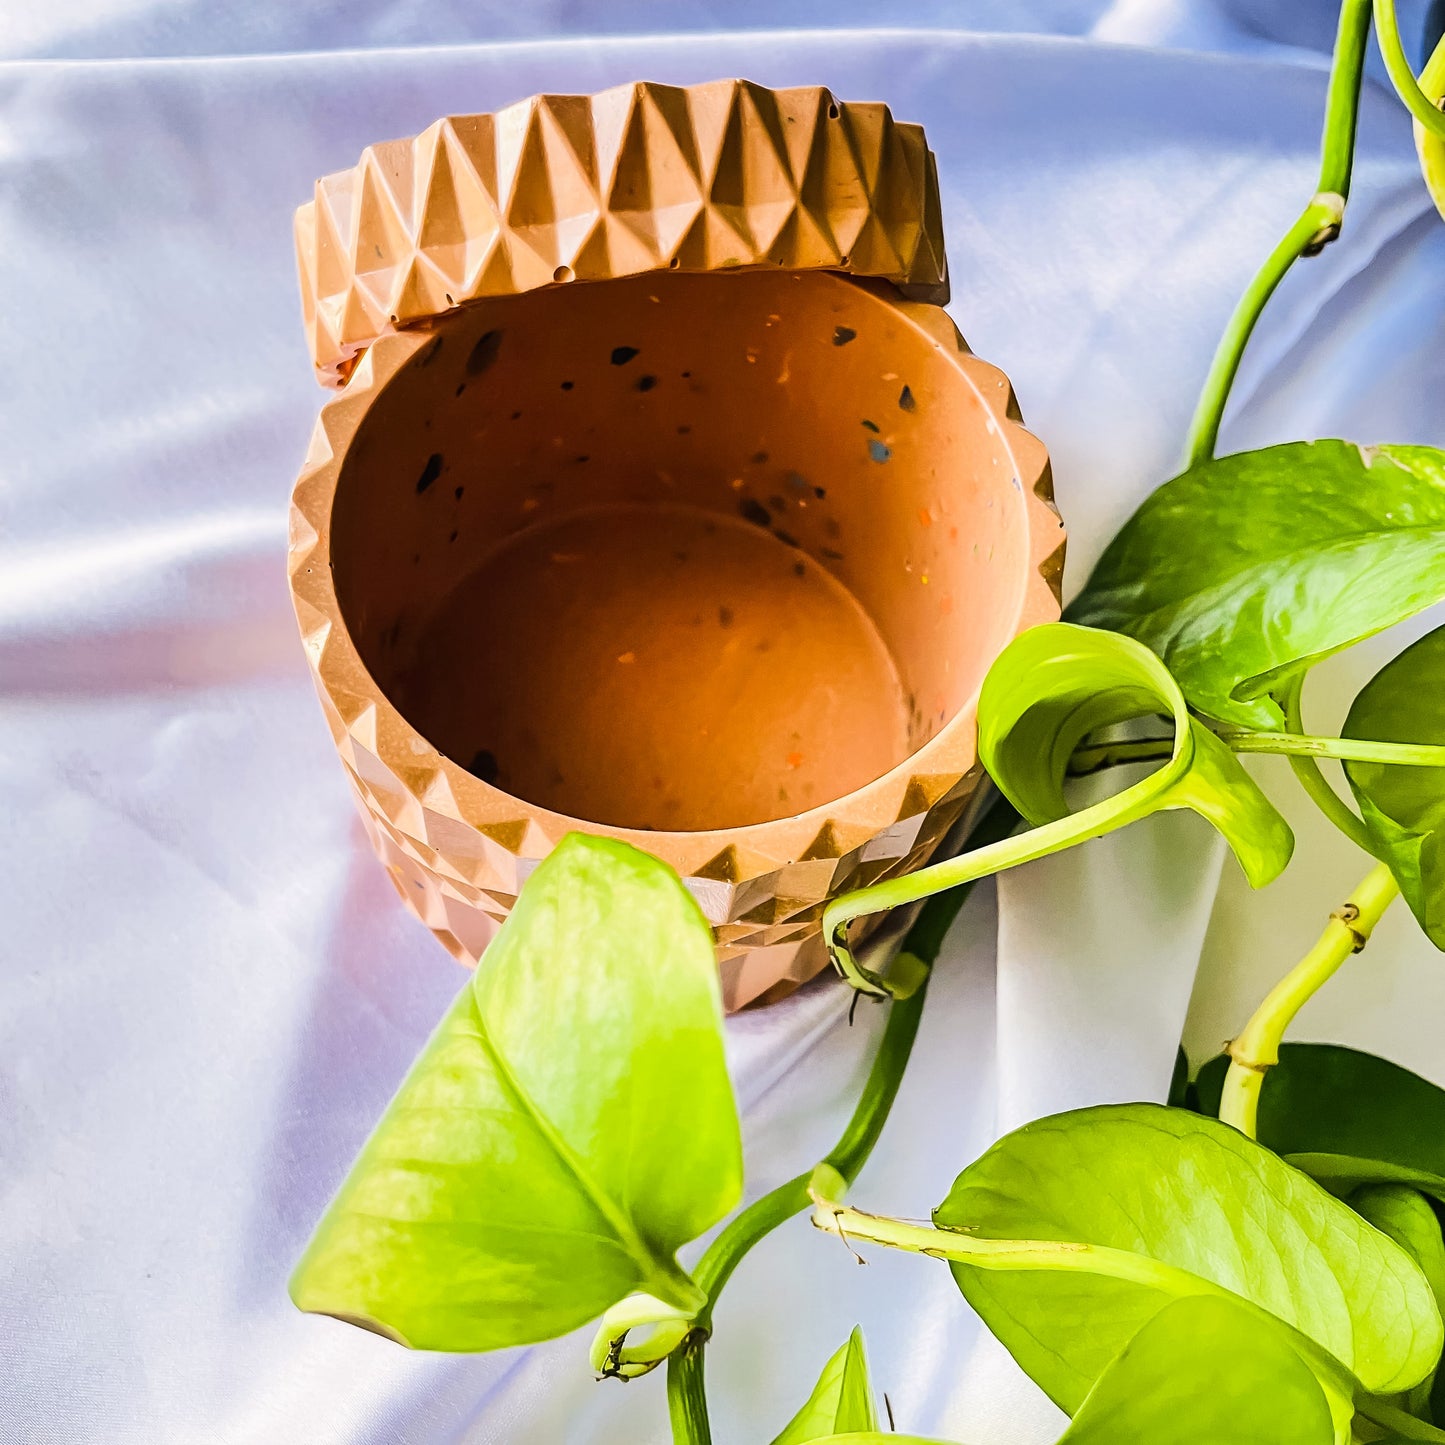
1058 683
841 1402
1403 806
569 1125
1203 1371
1245 571
1406 1216
1345 1117
1162 1204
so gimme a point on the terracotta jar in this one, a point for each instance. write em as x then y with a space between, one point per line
652 505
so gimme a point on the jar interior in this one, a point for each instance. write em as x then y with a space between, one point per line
681 551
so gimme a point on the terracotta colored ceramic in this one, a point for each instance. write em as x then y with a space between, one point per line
639 178
711 561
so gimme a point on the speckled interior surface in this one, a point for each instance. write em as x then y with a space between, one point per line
804 404
735 395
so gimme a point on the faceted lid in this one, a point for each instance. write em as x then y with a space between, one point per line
643 177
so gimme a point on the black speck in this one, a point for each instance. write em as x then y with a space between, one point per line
820 492
484 353
461 389
878 451
687 375
583 458
777 504
646 383
831 527
430 472
416 559
725 616
429 354
832 555
458 493
759 459
906 401
754 511
621 355
484 766
871 425
453 536
800 569
377 249
516 416
567 385
682 431
786 538
843 335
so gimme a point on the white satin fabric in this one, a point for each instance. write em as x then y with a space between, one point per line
209 988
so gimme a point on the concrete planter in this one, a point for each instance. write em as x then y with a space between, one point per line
710 557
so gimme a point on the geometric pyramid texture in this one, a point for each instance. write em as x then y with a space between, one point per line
642 177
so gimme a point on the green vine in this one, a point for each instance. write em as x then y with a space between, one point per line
686 1390
528 1180
1317 225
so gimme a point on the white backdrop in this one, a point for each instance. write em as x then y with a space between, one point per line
207 987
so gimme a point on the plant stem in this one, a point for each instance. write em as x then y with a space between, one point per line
686 1391
687 1395
1397 63
1096 757
1401 1424
1318 225
1355 750
1081 827
1256 1050
1315 783
960 1246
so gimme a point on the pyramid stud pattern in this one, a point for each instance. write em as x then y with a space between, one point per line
565 188
459 849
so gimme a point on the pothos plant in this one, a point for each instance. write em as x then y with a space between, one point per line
1259 1260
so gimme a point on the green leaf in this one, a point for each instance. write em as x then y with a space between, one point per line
1345 1117
1247 570
1163 1205
1058 683
1203 1371
841 1402
1405 1215
1403 806
569 1125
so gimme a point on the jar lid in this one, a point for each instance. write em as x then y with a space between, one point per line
565 188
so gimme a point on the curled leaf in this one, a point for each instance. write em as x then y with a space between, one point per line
1046 691
569 1125
1058 683
1402 806
1245 571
